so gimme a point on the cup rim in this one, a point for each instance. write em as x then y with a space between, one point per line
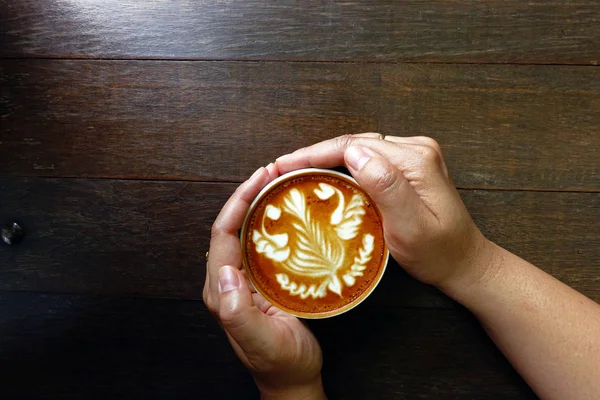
318 315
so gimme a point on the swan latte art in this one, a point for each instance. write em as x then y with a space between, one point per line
313 243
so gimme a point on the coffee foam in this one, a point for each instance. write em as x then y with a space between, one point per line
320 238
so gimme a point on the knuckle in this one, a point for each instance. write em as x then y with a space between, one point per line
344 141
383 180
205 295
431 155
232 317
431 142
210 304
215 229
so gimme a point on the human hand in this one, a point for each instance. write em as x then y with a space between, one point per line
427 227
280 352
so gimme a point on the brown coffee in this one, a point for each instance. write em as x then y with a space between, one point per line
313 243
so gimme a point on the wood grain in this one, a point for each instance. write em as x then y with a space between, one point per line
140 238
492 31
276 76
532 127
91 347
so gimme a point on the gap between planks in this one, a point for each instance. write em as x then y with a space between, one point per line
293 60
199 299
233 182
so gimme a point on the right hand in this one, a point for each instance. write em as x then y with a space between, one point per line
428 229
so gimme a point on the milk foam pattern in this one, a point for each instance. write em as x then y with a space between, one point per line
319 253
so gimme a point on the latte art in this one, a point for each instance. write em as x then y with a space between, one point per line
319 252
313 243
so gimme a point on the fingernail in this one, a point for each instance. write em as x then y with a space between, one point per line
228 279
357 157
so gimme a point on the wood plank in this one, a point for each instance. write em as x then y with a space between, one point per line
140 238
532 127
68 347
492 31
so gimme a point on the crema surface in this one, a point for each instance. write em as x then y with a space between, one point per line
314 244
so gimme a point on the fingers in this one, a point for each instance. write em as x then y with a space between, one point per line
224 242
317 155
330 153
370 135
418 140
422 165
244 322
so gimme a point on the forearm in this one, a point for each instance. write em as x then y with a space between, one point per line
548 331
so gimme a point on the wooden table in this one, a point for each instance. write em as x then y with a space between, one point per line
125 126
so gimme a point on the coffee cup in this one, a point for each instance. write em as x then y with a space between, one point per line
313 243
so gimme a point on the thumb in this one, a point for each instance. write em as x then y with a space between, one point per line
241 318
387 186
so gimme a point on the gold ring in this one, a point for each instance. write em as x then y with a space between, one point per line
206 255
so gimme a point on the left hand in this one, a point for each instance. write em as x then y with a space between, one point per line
280 352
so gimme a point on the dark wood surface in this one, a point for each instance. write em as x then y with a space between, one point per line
115 237
76 346
125 126
504 31
500 126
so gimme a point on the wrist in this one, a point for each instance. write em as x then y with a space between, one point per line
478 271
308 391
